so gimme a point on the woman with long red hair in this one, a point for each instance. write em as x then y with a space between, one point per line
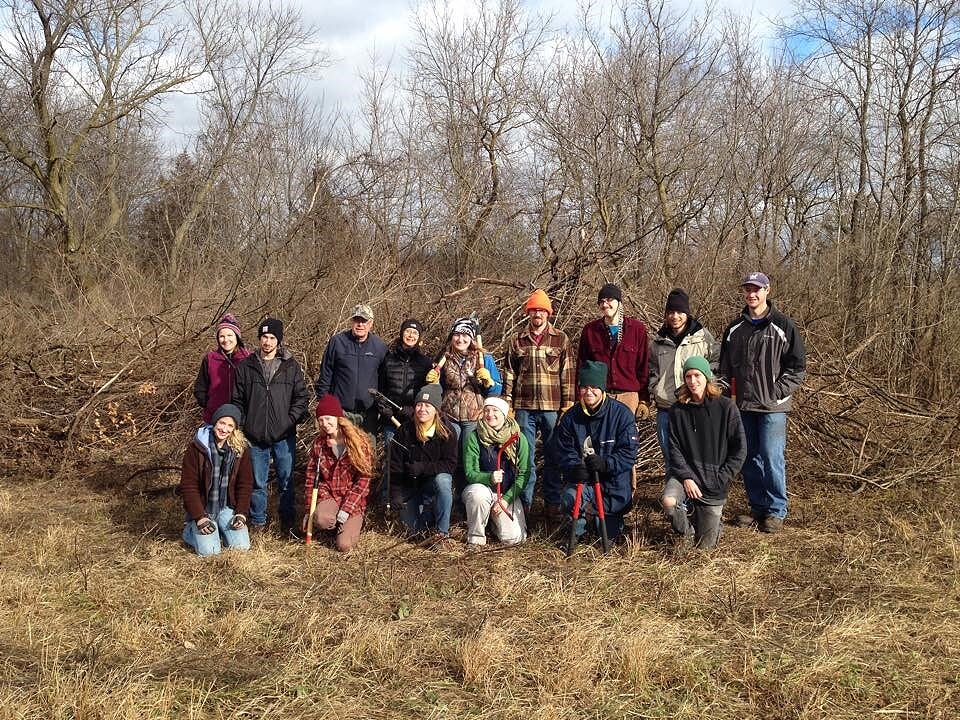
340 467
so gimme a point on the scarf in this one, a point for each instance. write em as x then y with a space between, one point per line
488 436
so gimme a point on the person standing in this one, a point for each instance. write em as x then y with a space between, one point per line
497 463
339 467
707 449
218 369
402 372
215 483
680 337
272 393
468 376
351 366
763 357
621 344
540 384
608 427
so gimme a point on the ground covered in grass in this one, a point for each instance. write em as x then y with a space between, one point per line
852 612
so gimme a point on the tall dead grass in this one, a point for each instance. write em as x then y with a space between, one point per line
104 614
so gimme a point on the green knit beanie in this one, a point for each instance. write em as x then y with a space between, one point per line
696 362
593 374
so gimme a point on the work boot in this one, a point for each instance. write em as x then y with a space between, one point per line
744 521
771 524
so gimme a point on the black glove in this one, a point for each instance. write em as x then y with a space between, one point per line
413 469
206 526
386 412
595 464
577 474
238 521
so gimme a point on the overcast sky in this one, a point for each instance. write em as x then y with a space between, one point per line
353 30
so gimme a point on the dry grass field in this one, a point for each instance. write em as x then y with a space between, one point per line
852 612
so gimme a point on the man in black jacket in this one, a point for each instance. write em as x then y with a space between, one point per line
763 357
273 395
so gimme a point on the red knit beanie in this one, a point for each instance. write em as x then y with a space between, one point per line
329 405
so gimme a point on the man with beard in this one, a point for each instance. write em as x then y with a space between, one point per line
540 385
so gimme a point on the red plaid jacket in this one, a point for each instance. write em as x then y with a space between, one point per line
338 479
540 377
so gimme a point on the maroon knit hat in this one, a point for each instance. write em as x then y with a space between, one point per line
329 405
229 322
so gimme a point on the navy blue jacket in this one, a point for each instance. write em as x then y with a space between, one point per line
613 430
350 368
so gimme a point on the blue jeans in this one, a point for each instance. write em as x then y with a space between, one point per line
284 453
463 428
587 503
663 437
427 504
206 545
765 471
545 421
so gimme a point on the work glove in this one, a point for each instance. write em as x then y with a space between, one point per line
578 474
342 517
306 520
484 378
238 521
206 526
386 412
595 464
643 411
496 476
433 376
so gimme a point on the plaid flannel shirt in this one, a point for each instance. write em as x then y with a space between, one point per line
338 479
541 377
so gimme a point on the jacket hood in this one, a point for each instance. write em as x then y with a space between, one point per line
202 439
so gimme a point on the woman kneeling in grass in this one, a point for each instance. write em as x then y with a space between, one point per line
496 463
216 484
340 467
707 449
422 463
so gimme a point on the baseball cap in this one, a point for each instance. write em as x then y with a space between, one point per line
756 278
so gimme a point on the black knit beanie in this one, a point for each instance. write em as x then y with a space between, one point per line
271 326
678 301
610 292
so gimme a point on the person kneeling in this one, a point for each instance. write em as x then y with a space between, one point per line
422 462
609 428
707 449
497 464
340 467
216 484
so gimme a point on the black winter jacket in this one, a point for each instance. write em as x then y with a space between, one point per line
707 445
766 359
271 411
415 462
402 373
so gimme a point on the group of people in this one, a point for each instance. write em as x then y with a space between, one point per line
456 430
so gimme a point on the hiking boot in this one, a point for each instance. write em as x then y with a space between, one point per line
771 524
744 521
